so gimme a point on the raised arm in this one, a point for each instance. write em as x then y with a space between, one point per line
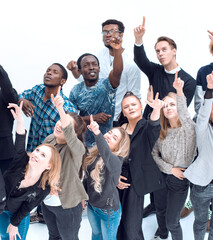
156 104
17 114
115 74
72 66
140 57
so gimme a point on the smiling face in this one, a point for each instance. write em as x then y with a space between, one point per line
113 138
58 132
166 55
40 158
53 77
90 70
132 108
170 108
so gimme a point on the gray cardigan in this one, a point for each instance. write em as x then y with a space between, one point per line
200 172
179 146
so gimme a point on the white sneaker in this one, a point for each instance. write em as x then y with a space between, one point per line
158 238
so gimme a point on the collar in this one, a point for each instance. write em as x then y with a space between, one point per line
173 71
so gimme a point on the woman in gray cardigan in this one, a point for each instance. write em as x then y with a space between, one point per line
62 212
173 153
200 172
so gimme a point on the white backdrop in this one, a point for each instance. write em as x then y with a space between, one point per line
34 34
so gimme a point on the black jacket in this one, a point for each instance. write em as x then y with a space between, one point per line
2 193
145 175
21 201
7 95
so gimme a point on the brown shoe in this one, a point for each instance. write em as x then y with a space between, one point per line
186 211
208 226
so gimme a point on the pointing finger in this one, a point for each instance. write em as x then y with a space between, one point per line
143 23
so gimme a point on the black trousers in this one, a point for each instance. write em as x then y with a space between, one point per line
169 203
130 227
62 224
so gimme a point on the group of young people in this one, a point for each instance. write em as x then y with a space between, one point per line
74 154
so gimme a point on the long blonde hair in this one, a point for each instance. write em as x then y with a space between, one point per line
97 173
164 122
50 176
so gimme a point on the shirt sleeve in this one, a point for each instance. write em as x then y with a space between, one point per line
9 94
163 166
27 207
143 62
113 163
134 80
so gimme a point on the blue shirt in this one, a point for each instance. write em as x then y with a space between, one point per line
45 115
93 100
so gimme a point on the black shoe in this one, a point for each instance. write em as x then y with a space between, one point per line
148 210
36 218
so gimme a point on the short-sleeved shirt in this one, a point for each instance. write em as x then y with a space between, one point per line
93 100
45 115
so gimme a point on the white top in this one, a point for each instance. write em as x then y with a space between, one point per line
130 78
52 200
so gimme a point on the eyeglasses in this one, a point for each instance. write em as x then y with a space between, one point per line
110 32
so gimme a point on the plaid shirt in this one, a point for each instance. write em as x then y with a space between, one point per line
45 115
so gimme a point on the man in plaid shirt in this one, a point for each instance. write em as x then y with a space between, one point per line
38 105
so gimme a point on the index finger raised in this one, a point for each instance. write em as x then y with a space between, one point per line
91 118
143 23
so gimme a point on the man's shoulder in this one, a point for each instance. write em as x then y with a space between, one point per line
184 75
207 68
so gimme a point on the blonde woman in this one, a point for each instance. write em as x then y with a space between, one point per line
103 168
28 180
173 153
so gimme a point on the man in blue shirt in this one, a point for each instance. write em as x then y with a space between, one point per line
96 96
38 105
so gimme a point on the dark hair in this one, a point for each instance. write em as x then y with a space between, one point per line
167 39
63 70
121 118
84 55
113 21
79 126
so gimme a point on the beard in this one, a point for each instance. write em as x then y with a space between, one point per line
91 80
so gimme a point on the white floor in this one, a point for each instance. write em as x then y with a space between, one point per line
38 231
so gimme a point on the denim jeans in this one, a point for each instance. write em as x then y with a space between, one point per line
169 203
62 224
104 224
201 198
5 221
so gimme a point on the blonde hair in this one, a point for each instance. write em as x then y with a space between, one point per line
164 122
50 176
96 174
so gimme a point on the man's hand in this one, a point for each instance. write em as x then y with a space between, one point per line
209 79
122 185
178 172
27 107
139 32
115 41
73 67
101 117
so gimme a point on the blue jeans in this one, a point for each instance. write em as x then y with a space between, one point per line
104 225
5 221
201 198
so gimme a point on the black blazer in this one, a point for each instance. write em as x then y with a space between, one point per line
145 174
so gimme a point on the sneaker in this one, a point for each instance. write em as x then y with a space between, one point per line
158 238
186 210
35 218
148 210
